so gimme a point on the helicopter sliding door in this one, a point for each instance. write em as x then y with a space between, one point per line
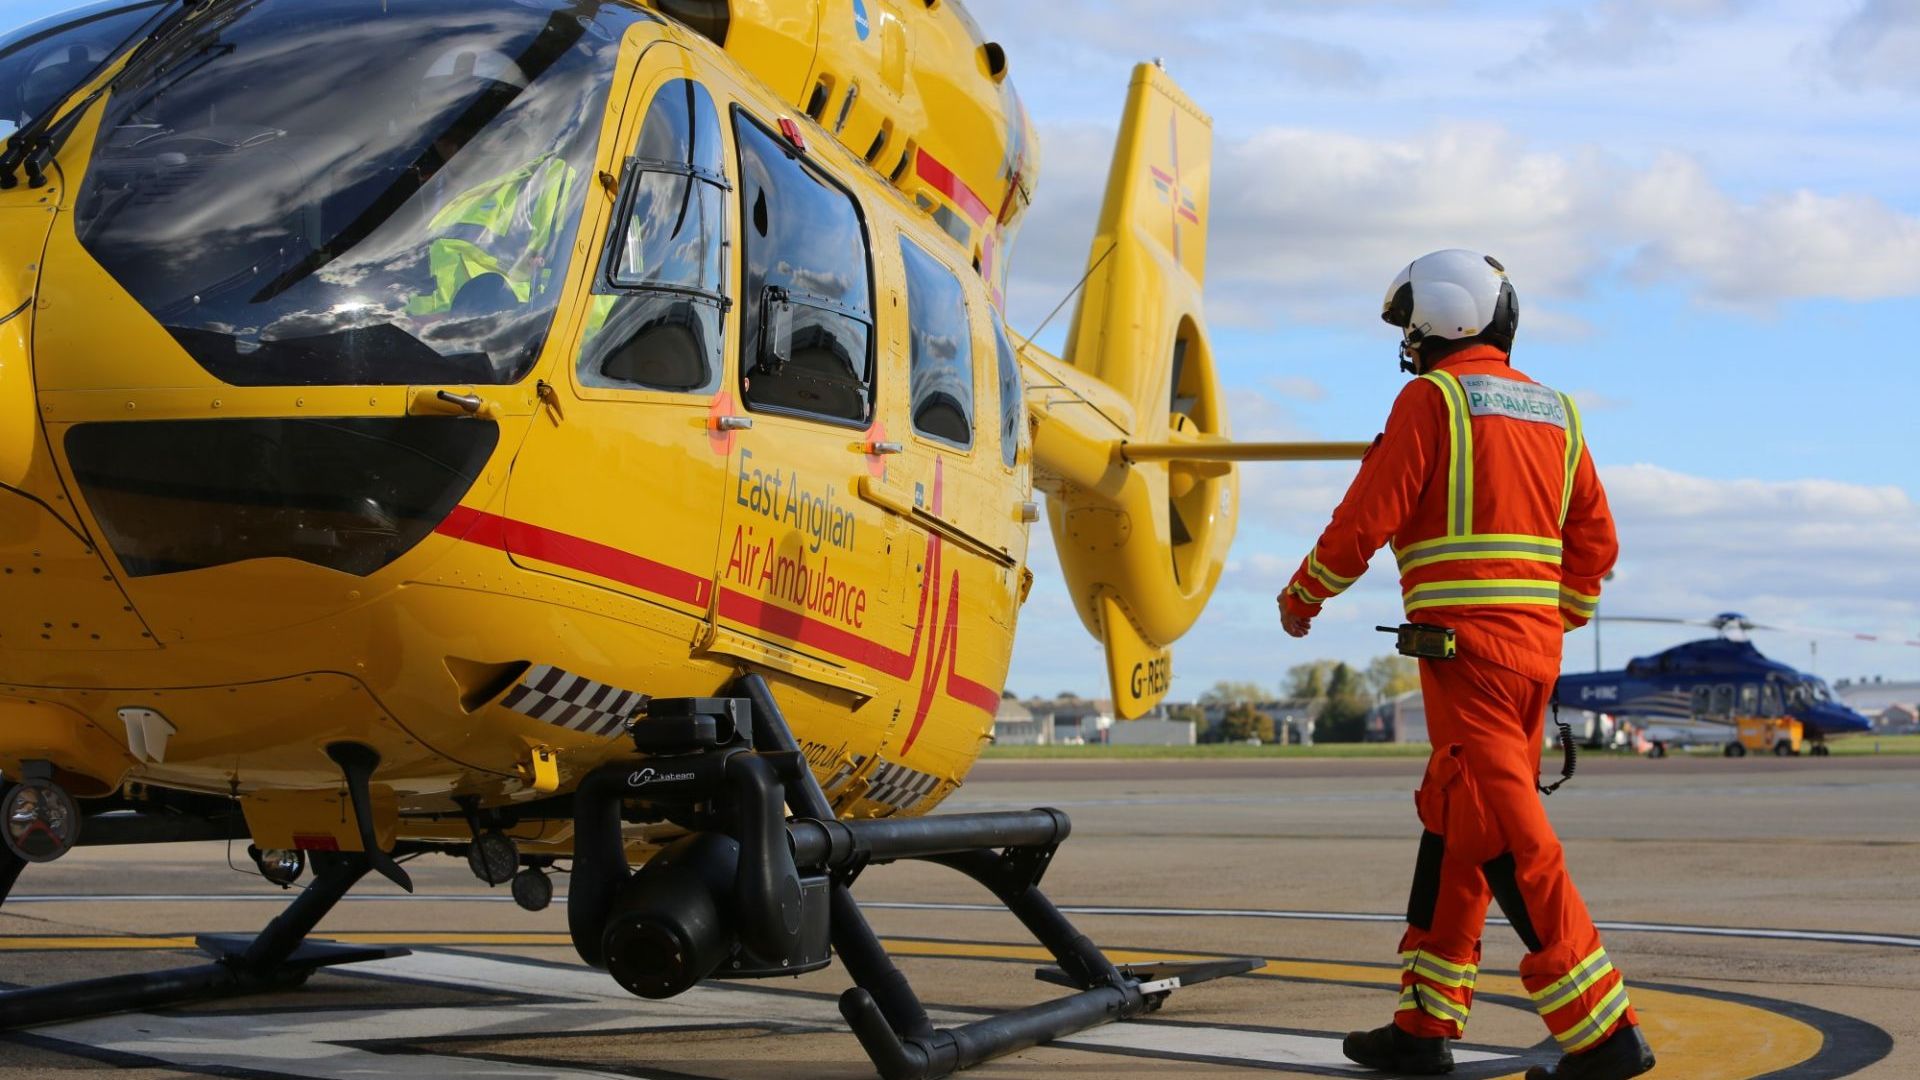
621 485
806 566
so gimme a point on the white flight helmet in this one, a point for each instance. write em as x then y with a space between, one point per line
1453 295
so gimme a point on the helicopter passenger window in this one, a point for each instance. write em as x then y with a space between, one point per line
807 318
1723 700
1013 397
656 315
942 349
1770 700
1703 701
1749 699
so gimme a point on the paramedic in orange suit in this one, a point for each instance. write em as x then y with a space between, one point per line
1483 484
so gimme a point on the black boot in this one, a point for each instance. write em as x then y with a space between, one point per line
1625 1053
1391 1050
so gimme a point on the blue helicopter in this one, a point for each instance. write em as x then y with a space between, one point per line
1716 690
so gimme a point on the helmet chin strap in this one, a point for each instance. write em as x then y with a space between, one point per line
1409 357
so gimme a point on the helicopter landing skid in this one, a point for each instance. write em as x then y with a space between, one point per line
279 957
1008 853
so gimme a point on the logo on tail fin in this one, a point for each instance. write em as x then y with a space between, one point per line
1172 192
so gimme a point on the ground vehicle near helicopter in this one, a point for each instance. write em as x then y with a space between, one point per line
1716 690
542 428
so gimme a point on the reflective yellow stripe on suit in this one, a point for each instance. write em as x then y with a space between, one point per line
1576 982
1459 456
1434 1004
1576 445
1471 592
1596 1023
1440 970
1327 579
1579 603
1546 549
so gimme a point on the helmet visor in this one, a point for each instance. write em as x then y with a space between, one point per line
1399 307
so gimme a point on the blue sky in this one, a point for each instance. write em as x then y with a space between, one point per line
1711 209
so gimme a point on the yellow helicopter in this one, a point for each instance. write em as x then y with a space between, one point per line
585 429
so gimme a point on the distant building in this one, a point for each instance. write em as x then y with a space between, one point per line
1015 725
1151 731
1875 697
1293 718
1897 719
1078 722
1401 719
1066 720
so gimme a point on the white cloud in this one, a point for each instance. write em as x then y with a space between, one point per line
1784 246
1593 401
1308 225
1298 388
1878 46
1613 33
1258 38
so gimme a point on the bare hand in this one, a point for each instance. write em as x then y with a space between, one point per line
1294 625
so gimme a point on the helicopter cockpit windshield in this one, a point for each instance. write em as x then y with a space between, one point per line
355 191
1807 692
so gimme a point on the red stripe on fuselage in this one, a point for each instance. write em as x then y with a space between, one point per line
561 549
832 640
946 182
575 553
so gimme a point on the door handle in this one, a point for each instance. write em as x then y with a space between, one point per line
877 449
733 423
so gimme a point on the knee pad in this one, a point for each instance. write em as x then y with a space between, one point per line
1506 891
1426 881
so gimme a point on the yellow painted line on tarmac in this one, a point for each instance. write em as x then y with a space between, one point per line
1696 1037
107 943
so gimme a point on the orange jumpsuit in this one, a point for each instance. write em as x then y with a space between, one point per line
1483 482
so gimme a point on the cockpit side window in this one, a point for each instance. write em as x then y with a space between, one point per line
941 351
46 61
1013 397
658 307
807 319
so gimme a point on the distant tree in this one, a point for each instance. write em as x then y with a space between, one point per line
1244 722
1343 716
1234 693
1308 682
1192 714
1387 677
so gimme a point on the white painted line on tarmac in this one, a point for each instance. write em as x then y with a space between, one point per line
1836 937
1234 1044
358 1044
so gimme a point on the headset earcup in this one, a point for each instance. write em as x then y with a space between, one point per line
1506 319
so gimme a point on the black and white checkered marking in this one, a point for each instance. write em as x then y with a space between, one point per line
898 786
574 702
